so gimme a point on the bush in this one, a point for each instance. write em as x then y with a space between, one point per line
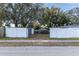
37 27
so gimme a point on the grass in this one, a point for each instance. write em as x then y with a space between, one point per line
63 38
15 38
39 36
39 44
36 36
46 36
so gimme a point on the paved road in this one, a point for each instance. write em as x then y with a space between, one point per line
39 40
40 51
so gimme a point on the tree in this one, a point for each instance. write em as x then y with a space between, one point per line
35 13
3 16
63 19
22 13
28 13
54 17
15 11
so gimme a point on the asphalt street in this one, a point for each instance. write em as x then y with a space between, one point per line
40 51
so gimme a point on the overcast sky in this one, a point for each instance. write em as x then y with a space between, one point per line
63 6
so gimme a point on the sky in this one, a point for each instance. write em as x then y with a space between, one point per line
63 6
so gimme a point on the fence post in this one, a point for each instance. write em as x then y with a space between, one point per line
4 32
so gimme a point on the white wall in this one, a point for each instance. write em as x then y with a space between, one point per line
32 31
64 32
17 32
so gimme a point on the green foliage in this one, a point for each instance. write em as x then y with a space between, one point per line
54 17
24 14
37 27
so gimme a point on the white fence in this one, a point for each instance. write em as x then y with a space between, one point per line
17 32
64 32
32 31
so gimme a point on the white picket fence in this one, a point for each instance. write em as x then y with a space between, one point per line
64 33
18 32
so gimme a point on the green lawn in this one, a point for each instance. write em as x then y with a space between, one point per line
39 44
63 38
39 36
15 38
46 36
42 36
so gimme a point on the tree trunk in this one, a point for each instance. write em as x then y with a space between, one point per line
16 23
